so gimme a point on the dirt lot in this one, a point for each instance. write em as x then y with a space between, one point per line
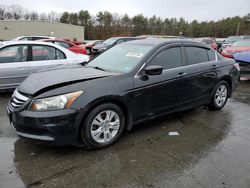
212 150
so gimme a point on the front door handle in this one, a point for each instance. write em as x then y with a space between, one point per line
214 65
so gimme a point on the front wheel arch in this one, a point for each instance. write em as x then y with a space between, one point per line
113 100
86 128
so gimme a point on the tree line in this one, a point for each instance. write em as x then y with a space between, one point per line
16 12
106 24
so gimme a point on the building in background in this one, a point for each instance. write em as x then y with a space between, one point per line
11 29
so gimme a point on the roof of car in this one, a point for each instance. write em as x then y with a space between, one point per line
56 40
25 42
6 43
160 41
123 38
25 36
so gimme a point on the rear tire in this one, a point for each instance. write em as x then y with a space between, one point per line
220 96
103 126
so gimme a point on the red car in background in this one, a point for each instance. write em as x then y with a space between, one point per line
69 45
90 44
239 46
209 41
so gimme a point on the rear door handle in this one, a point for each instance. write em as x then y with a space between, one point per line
214 65
21 68
211 75
182 74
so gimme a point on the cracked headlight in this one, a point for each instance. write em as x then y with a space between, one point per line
55 103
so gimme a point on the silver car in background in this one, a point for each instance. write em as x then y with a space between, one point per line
19 59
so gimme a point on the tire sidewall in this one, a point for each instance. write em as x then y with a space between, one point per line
86 129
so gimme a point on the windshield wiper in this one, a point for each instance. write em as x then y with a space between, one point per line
98 68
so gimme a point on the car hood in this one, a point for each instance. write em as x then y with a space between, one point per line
237 49
242 56
100 46
44 81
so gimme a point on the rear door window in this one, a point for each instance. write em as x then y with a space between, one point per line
196 55
169 58
41 53
120 41
18 53
26 39
39 38
63 44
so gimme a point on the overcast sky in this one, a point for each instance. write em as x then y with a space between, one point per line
201 10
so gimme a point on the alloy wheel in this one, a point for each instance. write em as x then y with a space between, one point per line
221 95
105 126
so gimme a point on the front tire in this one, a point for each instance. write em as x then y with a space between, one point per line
220 96
103 126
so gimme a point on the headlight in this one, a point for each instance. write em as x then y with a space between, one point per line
104 48
55 103
230 52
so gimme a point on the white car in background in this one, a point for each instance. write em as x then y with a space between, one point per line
32 38
19 59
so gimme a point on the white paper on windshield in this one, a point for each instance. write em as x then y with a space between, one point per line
135 54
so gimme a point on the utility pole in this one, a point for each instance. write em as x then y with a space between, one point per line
238 29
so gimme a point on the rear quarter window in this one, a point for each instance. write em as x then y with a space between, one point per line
211 55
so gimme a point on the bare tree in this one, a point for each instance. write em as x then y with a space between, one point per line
17 11
43 16
34 16
2 12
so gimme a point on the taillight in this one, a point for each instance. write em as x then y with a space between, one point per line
237 66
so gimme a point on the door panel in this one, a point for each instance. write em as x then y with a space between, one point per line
201 74
12 74
157 94
14 65
199 82
44 57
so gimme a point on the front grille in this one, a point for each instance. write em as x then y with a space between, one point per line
18 99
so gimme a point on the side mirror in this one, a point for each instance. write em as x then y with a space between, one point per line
153 70
84 63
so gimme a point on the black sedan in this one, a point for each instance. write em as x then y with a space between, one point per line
130 83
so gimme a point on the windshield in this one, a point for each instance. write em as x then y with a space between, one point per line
243 43
233 38
121 58
110 41
207 41
90 42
